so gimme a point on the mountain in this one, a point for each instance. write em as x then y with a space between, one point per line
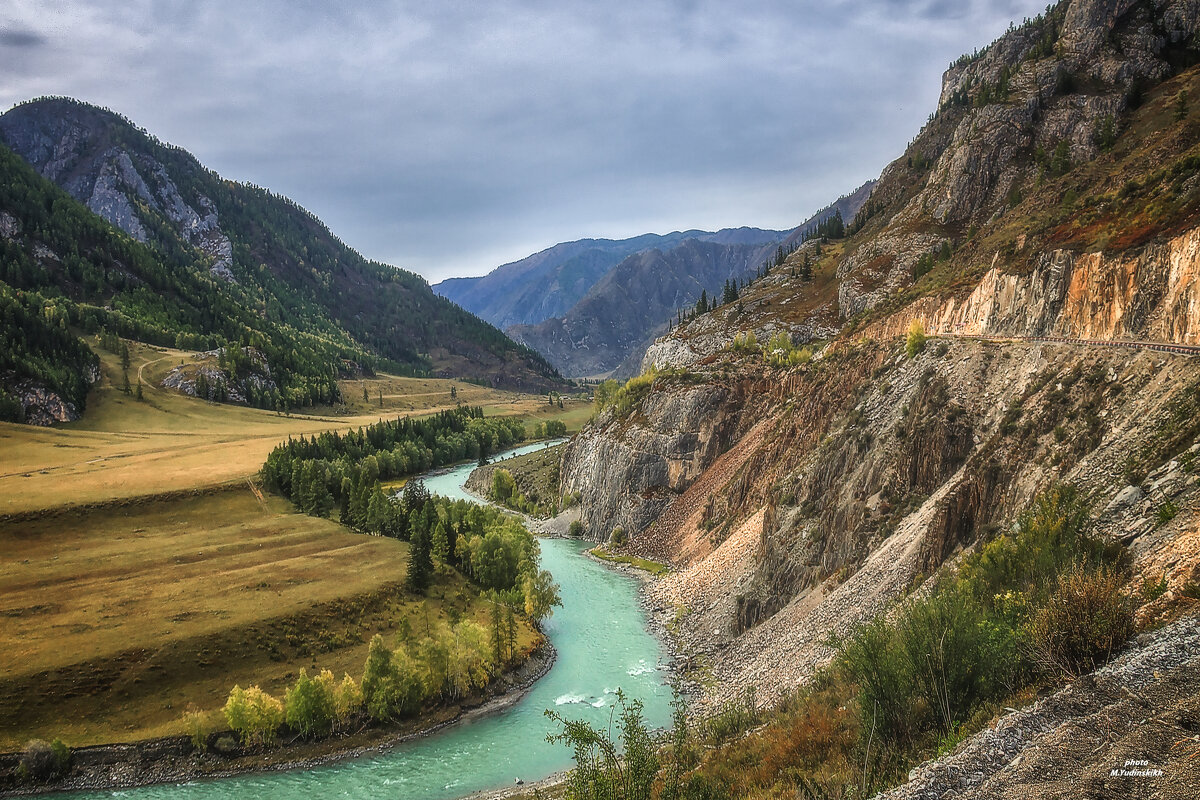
548 283
204 262
633 300
830 472
610 327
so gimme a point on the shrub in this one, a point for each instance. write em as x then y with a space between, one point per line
618 537
347 701
198 727
1050 536
916 339
42 760
1165 513
607 769
575 530
254 715
1083 622
503 485
733 718
391 687
309 704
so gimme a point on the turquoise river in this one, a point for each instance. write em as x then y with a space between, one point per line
602 643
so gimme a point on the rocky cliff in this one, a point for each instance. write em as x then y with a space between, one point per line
1056 191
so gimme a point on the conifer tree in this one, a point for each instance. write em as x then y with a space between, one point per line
420 565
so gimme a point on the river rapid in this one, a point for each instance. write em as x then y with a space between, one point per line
603 645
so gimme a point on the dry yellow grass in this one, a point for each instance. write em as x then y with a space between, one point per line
121 608
123 448
117 620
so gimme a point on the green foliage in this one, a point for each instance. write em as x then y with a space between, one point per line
745 342
420 560
575 529
42 761
1181 106
618 537
1083 622
541 595
732 719
347 701
1165 512
780 352
313 472
391 688
606 769
36 344
313 306
622 399
1105 135
503 486
309 705
254 715
915 342
196 723
1041 599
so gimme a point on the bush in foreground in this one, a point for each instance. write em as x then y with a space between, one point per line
254 715
1083 623
42 760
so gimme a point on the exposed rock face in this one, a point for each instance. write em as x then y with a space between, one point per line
112 185
860 473
42 406
1151 294
627 471
216 383
1142 707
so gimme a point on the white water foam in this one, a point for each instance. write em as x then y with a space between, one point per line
567 699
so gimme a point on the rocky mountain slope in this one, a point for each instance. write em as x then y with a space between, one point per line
610 327
548 283
239 255
634 301
803 486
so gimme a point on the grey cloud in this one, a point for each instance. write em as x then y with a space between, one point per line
15 37
449 137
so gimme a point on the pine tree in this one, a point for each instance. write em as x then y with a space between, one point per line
420 565
497 630
139 392
441 542
126 387
124 356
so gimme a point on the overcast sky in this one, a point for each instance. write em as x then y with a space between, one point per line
450 137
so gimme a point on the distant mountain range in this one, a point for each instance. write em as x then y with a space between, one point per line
549 283
202 261
593 306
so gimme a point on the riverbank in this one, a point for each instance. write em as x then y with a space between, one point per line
174 759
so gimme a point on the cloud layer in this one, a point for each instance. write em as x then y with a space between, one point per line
450 137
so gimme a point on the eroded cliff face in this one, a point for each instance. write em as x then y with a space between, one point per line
813 499
1152 294
627 470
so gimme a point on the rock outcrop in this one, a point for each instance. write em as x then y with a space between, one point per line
1054 193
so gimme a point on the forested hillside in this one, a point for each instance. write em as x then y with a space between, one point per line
179 256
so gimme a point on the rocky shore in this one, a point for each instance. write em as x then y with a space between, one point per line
175 760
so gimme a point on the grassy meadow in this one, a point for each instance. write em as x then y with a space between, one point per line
168 442
119 619
144 575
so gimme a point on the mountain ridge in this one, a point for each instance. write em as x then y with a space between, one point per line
259 251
